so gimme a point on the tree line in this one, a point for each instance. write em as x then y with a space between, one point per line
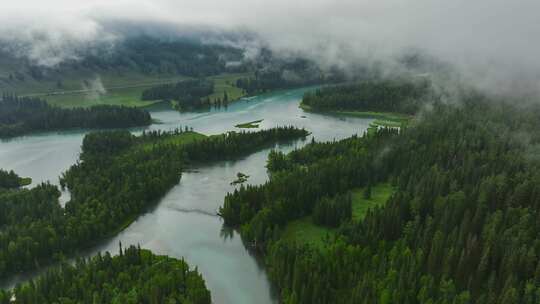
461 227
278 78
390 95
117 178
273 72
332 211
22 115
188 94
132 277
262 82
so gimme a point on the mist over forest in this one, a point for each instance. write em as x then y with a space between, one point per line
247 151
490 44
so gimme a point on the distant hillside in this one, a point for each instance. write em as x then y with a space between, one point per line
135 61
119 75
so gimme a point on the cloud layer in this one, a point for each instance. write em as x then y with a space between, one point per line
493 43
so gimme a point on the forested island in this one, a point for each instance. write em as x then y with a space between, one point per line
459 224
134 276
22 115
118 177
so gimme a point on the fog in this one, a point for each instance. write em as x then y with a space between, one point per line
492 44
94 88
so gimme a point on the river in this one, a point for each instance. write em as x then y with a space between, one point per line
184 223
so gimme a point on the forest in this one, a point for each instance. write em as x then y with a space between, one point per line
282 78
117 178
131 277
22 115
297 184
263 81
10 180
460 227
187 94
391 95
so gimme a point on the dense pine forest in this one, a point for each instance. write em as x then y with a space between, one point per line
461 226
394 95
117 178
133 276
22 115
269 152
293 193
10 180
272 72
187 94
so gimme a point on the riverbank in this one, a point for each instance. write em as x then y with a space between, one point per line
382 119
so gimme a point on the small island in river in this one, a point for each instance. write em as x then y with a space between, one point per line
240 179
249 125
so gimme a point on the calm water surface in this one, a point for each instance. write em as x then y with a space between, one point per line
184 223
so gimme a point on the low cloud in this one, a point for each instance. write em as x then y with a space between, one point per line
491 44
94 88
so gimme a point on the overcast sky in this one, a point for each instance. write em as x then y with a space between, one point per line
492 41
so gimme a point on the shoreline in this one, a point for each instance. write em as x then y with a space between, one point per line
391 116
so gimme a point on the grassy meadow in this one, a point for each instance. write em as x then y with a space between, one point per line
305 231
78 88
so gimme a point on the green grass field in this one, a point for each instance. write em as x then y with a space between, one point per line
306 232
360 205
122 87
130 95
389 123
125 96
73 80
